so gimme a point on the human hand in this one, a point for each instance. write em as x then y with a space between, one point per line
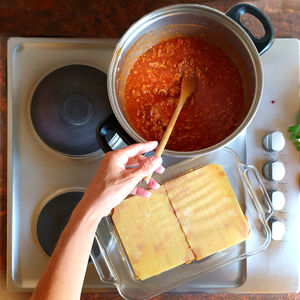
118 175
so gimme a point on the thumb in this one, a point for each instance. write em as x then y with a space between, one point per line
148 166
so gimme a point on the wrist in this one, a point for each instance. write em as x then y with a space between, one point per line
87 214
99 203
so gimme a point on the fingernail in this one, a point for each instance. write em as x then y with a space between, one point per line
152 142
156 160
156 186
147 194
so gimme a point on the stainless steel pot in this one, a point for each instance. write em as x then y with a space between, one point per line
223 30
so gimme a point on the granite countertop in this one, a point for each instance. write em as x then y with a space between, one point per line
106 19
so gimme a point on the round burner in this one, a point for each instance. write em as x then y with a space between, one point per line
53 218
67 106
76 109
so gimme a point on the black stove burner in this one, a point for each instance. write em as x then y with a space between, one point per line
54 217
67 106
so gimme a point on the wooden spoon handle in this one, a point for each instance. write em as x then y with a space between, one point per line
160 148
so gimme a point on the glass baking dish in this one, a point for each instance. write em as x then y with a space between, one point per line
254 201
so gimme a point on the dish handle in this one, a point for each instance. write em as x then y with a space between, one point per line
104 275
266 210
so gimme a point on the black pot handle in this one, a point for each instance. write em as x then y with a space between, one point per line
111 124
264 43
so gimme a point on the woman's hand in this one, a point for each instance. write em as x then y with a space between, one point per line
118 175
114 180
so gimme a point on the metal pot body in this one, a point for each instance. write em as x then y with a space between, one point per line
195 21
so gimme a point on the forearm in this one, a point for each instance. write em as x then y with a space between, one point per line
64 275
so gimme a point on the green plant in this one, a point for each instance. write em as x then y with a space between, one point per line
295 135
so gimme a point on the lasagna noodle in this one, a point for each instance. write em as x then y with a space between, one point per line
151 235
207 209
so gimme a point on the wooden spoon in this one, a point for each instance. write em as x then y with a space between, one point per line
188 87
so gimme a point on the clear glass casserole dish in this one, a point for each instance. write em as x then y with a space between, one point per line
254 201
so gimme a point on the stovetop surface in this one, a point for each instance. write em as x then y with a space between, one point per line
32 166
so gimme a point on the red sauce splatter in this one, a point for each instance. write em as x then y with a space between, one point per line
272 101
153 87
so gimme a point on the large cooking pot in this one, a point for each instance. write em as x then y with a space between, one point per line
223 30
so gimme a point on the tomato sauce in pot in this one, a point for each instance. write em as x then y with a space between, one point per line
152 92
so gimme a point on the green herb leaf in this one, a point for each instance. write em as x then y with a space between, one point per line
293 128
295 135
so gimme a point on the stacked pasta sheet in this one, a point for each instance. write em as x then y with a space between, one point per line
190 217
151 234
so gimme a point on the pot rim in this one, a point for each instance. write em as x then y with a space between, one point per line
154 16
